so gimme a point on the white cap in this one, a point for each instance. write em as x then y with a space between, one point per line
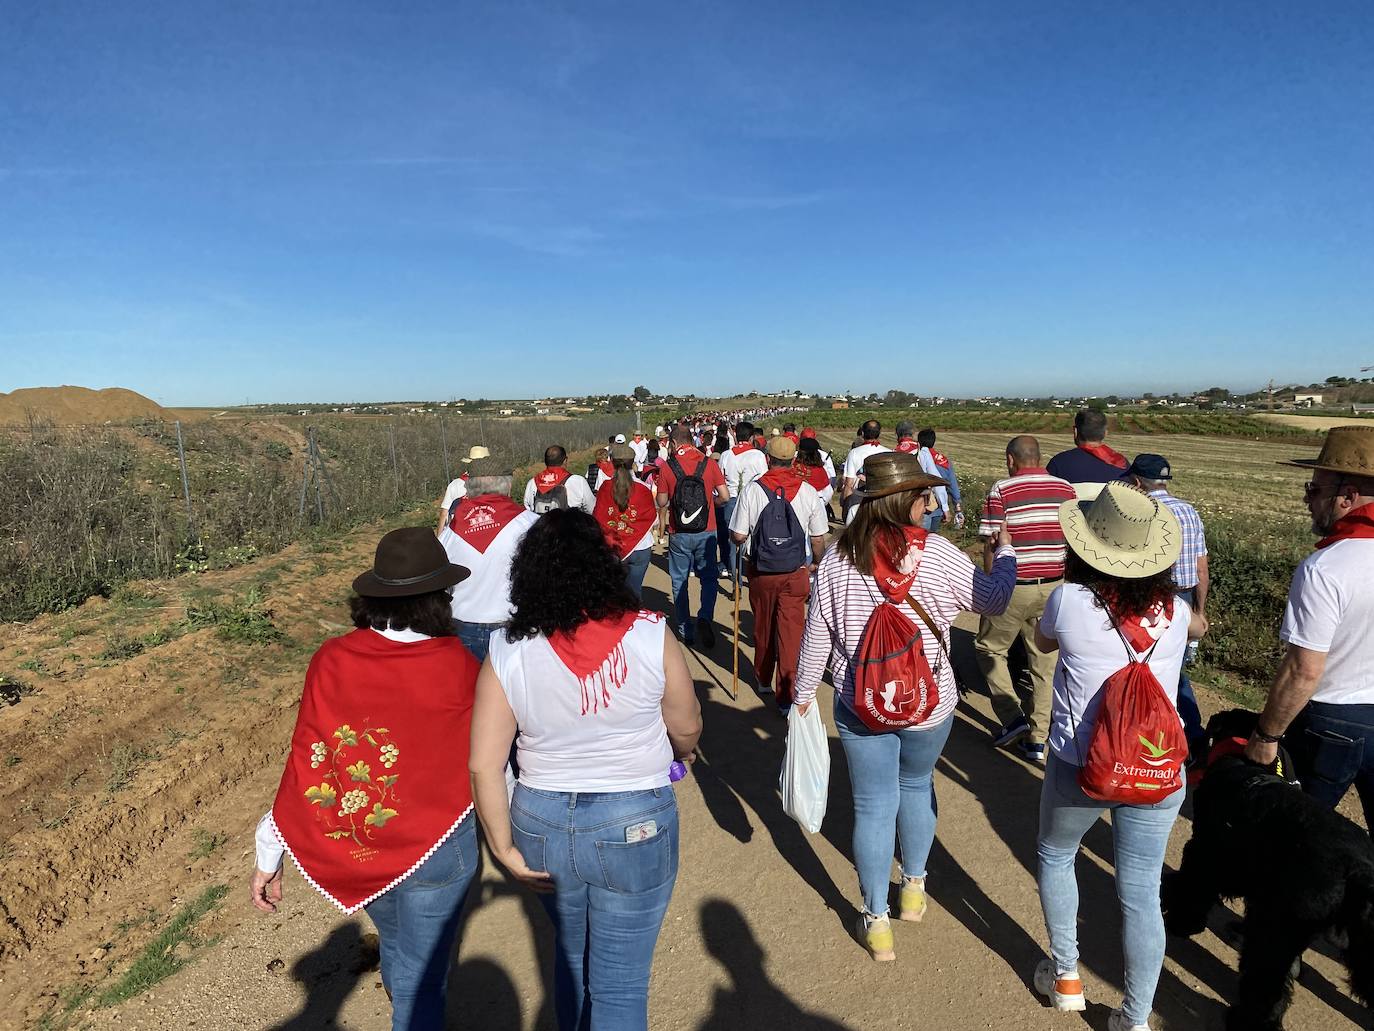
620 438
658 431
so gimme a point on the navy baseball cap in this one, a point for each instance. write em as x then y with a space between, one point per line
1151 467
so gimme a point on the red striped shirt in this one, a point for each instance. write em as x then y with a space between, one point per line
1028 503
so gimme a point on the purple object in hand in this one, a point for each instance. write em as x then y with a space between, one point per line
676 771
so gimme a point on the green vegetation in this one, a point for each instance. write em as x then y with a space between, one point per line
167 953
244 620
206 843
124 762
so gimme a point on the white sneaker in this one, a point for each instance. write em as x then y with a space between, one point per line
1118 1022
1065 991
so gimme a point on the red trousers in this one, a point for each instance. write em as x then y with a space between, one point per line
779 604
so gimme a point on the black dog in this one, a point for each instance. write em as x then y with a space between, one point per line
1303 871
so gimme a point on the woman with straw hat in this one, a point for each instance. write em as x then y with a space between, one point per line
1117 605
884 555
370 807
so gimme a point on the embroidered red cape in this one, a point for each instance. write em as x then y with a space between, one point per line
376 777
478 520
1106 454
814 475
1355 525
625 529
550 478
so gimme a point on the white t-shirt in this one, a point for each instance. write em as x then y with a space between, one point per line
641 450
742 468
576 737
807 506
1331 609
455 491
853 469
579 493
1090 651
484 597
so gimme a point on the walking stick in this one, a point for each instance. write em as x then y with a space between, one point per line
734 648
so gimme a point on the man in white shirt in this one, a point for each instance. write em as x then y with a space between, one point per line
854 465
640 446
741 465
1322 699
457 489
777 596
544 487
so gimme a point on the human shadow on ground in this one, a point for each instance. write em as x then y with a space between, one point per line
752 1000
329 974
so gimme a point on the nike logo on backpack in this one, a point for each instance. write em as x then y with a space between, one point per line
687 517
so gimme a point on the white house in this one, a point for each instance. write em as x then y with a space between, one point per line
1307 400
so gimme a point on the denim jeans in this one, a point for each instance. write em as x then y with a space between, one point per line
894 796
727 548
1333 747
692 553
609 895
477 637
1188 711
932 521
417 922
636 565
1140 834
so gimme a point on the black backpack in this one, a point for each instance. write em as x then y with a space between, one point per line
779 545
550 500
690 506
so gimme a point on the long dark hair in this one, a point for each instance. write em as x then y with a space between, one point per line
1126 598
564 574
622 481
424 613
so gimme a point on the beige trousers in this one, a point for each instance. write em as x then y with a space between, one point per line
996 634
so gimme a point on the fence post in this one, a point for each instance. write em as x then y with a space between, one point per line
443 436
395 469
185 483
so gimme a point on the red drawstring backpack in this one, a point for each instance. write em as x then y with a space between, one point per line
1138 747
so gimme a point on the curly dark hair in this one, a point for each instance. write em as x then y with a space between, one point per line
1127 598
424 613
564 574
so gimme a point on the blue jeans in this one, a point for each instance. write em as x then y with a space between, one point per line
417 922
726 546
1140 834
1188 711
609 894
891 772
692 553
636 565
477 637
1333 747
933 520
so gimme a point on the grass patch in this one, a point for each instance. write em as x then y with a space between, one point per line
118 648
125 761
159 959
69 999
246 619
206 843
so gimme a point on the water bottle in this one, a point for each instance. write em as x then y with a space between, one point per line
1190 654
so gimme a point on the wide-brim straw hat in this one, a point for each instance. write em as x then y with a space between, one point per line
409 561
1347 449
475 452
1124 532
891 472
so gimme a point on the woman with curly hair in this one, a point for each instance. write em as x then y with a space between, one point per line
1117 605
599 702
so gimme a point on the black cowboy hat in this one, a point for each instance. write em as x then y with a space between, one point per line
409 561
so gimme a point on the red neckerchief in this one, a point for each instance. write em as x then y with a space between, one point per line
793 438
686 451
940 459
368 791
550 478
463 477
785 480
1141 632
624 529
1106 454
908 446
595 654
894 583
740 449
478 520
606 468
814 475
1356 525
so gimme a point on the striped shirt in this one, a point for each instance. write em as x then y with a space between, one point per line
842 599
1194 539
1028 502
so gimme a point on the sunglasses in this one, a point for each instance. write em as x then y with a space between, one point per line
1312 488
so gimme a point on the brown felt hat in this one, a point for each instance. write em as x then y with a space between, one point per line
1347 449
409 561
891 472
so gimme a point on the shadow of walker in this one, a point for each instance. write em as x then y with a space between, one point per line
329 974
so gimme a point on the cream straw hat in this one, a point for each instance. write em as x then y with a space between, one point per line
1124 532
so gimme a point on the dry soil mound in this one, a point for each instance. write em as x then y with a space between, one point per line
75 406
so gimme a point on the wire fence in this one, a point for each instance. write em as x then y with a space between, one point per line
85 509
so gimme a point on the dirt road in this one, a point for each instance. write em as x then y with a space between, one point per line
135 782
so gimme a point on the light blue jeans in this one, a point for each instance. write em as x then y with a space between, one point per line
609 894
476 637
1140 834
636 565
417 922
892 774
688 553
727 547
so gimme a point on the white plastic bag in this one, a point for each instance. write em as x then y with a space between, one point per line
805 779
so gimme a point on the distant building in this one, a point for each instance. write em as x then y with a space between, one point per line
836 405
1307 400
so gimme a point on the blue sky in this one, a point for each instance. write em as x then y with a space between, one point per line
212 202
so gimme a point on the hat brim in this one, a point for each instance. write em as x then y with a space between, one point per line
1166 537
922 482
370 585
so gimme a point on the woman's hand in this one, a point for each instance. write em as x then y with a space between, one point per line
536 880
805 707
265 889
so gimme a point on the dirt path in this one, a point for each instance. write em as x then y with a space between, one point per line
119 771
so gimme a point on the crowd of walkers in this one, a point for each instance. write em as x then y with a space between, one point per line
515 643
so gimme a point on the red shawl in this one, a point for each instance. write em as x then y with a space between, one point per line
594 653
606 468
1355 525
787 479
625 529
550 478
375 779
894 583
814 475
478 520
940 459
1106 454
908 446
1141 632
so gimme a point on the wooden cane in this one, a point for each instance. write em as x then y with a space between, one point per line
734 650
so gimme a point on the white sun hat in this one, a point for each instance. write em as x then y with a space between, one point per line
1124 532
475 452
